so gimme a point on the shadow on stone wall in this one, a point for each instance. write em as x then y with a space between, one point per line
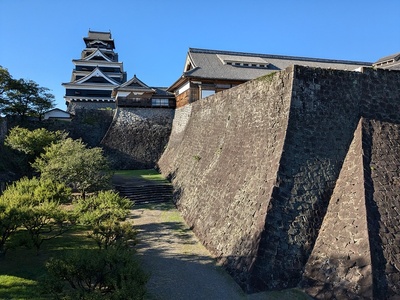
332 284
324 208
137 137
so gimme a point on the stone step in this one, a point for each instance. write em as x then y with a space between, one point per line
146 193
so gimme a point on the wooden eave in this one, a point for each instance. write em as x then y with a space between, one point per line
181 81
87 86
96 63
97 72
95 54
185 78
105 41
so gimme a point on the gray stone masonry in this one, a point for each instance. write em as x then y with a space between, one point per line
137 137
292 180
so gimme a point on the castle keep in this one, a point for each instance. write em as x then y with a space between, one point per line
292 179
99 81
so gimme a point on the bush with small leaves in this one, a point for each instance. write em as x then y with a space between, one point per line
10 220
96 274
35 204
32 142
106 213
69 161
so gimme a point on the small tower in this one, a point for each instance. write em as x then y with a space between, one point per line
95 75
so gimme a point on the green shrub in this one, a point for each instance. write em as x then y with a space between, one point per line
105 213
70 161
10 220
96 274
35 205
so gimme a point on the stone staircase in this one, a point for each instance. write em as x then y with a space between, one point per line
146 193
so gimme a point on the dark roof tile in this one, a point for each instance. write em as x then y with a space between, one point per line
214 64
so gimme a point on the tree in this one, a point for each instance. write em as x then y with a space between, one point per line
105 213
44 221
96 274
69 161
5 79
10 220
32 142
34 204
23 97
109 272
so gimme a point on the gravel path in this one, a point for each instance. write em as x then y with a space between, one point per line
180 267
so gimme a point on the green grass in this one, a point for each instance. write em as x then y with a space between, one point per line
148 174
21 268
12 287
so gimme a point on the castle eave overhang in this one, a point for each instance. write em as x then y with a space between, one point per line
88 99
83 86
99 63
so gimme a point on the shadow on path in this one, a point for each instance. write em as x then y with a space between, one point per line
180 267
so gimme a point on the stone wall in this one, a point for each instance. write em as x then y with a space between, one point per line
340 263
278 178
137 137
224 164
90 125
74 106
382 158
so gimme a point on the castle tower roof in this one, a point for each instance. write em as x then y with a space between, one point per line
99 39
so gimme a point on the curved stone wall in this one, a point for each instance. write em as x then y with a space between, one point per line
292 180
137 137
224 162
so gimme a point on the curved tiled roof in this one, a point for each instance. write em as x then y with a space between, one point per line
244 66
208 64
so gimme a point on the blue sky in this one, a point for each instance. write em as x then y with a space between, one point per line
39 38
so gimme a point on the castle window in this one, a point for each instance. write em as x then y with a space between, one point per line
159 102
206 93
189 67
243 60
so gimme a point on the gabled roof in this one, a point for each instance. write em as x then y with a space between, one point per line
162 92
243 66
58 110
134 84
96 54
96 73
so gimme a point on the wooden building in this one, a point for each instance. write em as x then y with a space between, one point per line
209 71
57 114
135 93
